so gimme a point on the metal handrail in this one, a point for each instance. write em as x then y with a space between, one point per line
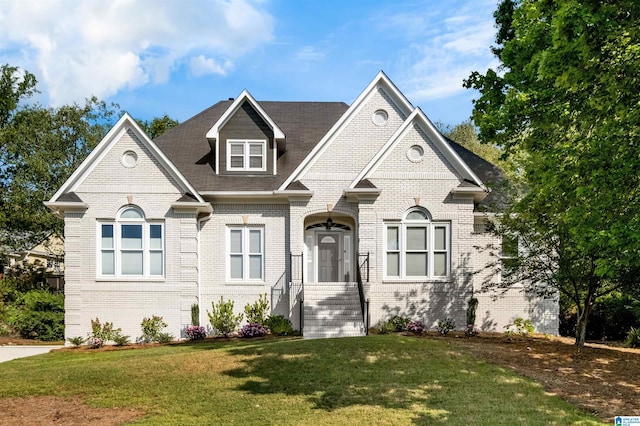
364 304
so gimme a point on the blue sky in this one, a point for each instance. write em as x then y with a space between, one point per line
178 57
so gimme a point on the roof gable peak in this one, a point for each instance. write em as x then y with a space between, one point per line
380 81
245 96
124 124
418 118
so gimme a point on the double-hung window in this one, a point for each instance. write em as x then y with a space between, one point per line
246 155
246 253
417 247
131 246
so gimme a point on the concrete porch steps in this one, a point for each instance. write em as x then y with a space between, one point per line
332 310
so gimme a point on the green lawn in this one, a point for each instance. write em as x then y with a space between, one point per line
383 379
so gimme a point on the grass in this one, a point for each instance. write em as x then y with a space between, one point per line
383 379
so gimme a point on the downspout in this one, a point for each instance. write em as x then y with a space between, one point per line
199 249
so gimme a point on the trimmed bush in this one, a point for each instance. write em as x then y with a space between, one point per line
279 325
40 316
399 323
151 329
253 329
195 332
257 312
521 327
222 318
446 325
416 327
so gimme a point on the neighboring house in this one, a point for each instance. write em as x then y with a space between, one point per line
47 255
339 213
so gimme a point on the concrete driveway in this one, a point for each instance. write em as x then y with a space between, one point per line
9 352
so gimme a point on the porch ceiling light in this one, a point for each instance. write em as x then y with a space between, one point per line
329 224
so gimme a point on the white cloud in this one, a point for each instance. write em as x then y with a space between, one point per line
201 65
441 51
79 48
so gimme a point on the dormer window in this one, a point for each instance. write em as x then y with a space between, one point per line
246 155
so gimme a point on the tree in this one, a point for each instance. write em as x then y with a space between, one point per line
15 86
566 99
466 135
158 125
39 148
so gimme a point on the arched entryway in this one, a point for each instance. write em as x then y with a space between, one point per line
329 248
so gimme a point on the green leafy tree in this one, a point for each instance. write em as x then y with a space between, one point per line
158 125
39 148
566 100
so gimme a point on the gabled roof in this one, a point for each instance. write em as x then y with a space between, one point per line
303 123
65 197
381 80
214 132
417 117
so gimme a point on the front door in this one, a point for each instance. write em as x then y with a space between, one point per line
328 256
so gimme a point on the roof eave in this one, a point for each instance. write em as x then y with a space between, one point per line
59 207
360 194
478 194
197 207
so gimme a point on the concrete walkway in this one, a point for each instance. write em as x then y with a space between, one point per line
9 352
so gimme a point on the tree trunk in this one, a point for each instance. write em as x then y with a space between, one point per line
581 328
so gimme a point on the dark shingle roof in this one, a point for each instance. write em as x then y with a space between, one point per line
303 123
70 197
489 174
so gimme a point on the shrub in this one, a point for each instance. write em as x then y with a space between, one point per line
103 331
257 312
120 339
521 326
416 327
279 325
222 318
633 338
472 305
151 329
76 341
471 331
386 327
253 329
446 325
195 332
40 315
95 342
399 323
195 314
164 337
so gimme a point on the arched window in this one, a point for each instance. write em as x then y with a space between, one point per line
131 245
417 247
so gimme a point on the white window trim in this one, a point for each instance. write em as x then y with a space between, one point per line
117 249
245 253
402 235
246 155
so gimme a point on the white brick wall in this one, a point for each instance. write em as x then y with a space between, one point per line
109 187
191 255
273 218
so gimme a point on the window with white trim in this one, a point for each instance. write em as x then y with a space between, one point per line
509 255
417 247
131 246
246 253
246 155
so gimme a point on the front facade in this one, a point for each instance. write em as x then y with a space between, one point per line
343 215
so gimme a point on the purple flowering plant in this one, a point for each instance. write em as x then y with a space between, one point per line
416 327
195 332
253 329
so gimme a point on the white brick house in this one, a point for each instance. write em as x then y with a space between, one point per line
341 214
